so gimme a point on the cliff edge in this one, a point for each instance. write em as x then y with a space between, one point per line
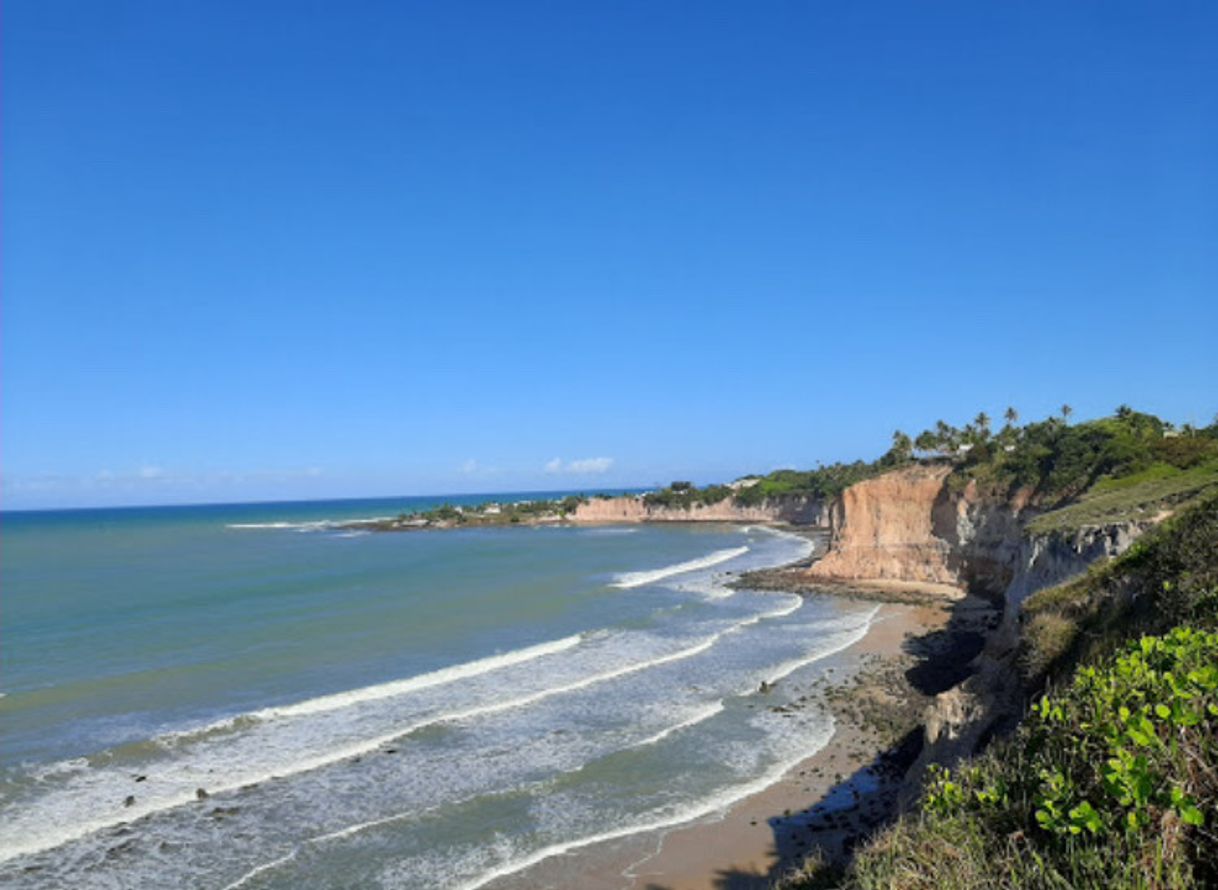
883 529
627 508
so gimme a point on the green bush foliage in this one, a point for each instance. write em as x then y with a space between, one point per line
1111 782
684 495
1058 462
823 482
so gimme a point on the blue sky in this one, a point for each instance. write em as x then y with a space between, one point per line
290 249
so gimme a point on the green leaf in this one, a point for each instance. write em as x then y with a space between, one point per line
1085 816
1139 738
1191 815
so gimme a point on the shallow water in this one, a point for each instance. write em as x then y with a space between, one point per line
421 709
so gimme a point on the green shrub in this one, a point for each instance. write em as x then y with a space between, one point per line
1112 782
822 483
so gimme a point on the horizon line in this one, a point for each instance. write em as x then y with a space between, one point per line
289 501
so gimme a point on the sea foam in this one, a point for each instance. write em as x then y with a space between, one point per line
638 579
717 804
27 834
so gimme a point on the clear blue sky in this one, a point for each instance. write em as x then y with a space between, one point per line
301 249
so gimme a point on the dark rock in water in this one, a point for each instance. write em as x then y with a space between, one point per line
391 750
201 794
140 778
221 812
130 801
766 687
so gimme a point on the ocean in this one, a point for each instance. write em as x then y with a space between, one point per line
248 696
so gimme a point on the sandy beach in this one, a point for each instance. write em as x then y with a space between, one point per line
829 800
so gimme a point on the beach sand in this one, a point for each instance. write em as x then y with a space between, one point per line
829 800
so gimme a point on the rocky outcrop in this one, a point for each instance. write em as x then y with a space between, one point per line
910 526
798 511
885 529
1046 560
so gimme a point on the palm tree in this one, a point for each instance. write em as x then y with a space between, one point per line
1124 412
982 422
1011 416
902 445
927 441
1066 412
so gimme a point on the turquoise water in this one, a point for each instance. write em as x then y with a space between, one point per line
417 709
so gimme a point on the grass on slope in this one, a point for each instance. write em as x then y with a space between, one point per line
1138 496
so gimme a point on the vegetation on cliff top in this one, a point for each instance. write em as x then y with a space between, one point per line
1057 462
1101 470
1105 470
1169 575
1112 778
685 495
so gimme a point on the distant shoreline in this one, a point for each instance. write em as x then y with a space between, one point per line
601 509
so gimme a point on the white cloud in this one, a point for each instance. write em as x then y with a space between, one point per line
586 466
151 473
469 467
592 465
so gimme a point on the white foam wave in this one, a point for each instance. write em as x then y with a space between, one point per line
393 688
421 681
320 524
309 526
794 604
56 834
850 638
638 579
698 717
717 804
806 545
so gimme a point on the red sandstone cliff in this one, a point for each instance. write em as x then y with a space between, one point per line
801 511
883 529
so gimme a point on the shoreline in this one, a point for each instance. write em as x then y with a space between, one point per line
828 801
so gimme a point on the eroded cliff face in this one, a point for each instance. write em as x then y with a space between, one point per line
884 529
1047 560
799 511
910 526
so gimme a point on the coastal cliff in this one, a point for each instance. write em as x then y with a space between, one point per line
797 511
883 529
911 528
